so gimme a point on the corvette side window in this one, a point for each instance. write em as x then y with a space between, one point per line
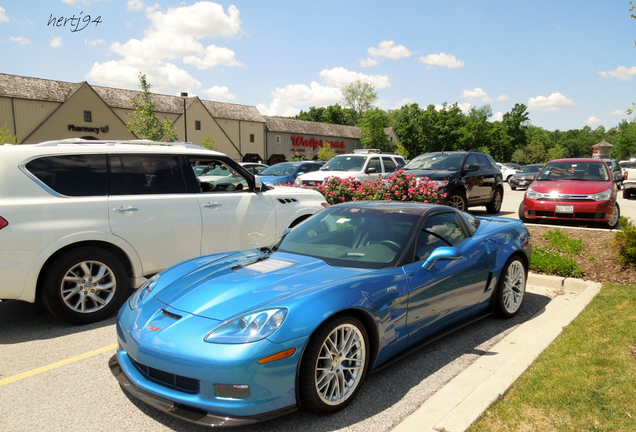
439 230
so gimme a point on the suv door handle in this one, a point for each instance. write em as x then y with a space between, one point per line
123 210
212 205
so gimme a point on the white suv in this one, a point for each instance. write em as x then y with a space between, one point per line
84 222
359 166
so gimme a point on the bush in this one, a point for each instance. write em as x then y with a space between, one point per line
560 241
396 187
625 241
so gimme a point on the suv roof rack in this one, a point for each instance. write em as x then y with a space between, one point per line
81 141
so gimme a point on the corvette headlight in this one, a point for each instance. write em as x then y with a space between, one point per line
248 328
602 196
532 194
143 291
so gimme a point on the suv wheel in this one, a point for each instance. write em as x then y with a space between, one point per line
85 285
457 199
495 205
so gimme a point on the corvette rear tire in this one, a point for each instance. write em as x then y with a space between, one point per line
511 288
333 365
85 285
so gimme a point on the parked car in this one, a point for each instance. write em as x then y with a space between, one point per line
467 179
573 190
360 166
629 178
253 167
285 173
616 170
84 222
525 176
506 171
234 338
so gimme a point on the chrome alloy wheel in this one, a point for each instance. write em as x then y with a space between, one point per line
88 286
514 286
457 202
340 364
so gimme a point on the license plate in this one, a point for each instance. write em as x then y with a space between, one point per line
564 209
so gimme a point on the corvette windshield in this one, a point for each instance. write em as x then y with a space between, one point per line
436 161
345 163
573 170
352 237
281 169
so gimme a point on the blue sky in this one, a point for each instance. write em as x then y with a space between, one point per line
571 62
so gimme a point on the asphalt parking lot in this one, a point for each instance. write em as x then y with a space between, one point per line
55 377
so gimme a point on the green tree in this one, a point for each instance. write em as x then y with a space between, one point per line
556 152
476 131
143 121
408 127
624 141
7 137
516 122
359 96
326 152
372 133
535 152
519 156
295 157
209 142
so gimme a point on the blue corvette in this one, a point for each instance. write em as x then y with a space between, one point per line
240 337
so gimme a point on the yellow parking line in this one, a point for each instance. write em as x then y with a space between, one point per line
55 365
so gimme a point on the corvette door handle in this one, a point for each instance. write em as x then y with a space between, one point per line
123 210
212 205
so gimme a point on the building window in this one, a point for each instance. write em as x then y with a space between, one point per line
197 124
88 116
251 137
277 139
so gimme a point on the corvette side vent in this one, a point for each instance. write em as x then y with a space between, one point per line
287 200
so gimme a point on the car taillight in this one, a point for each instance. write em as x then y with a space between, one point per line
3 222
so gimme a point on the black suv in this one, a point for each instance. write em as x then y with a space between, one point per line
468 178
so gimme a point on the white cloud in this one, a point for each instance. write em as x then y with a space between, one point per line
174 35
369 62
218 93
550 103
618 112
621 73
342 77
442 59
214 56
389 50
3 15
21 40
592 121
503 97
496 117
94 43
56 42
476 93
386 105
287 99
464 107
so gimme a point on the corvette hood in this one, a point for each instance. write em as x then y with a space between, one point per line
571 187
227 287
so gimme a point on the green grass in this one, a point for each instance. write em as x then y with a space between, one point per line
585 380
561 242
546 261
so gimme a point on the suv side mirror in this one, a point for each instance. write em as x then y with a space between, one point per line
471 168
258 184
371 170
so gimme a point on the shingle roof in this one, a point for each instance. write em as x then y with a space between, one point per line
36 88
59 91
279 124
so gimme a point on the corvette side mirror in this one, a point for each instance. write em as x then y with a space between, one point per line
441 253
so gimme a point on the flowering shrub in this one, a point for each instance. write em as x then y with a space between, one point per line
396 187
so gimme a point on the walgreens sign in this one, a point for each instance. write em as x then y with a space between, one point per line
314 143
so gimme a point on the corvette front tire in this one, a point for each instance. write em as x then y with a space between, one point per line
334 365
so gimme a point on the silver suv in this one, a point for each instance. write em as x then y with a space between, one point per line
82 223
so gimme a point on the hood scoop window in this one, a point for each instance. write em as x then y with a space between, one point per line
264 265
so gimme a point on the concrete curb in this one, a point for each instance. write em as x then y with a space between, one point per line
464 398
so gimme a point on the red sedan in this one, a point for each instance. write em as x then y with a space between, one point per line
572 189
